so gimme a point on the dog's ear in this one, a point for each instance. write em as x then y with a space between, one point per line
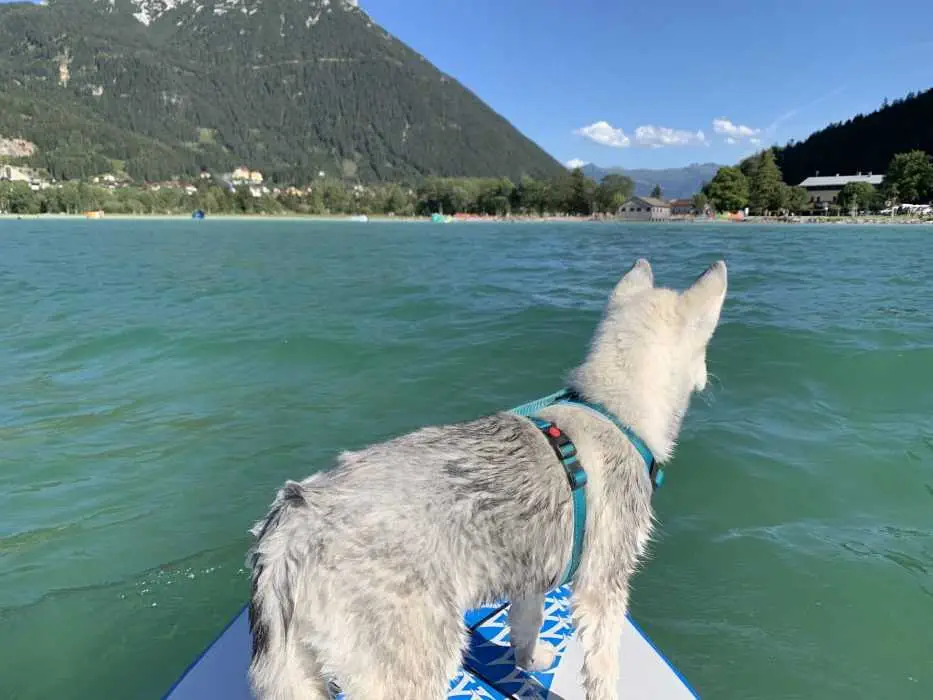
637 279
703 301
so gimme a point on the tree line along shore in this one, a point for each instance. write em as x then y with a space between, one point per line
756 184
570 194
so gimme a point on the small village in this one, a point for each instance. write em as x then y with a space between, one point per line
752 191
240 177
96 195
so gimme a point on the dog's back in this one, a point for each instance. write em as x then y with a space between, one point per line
414 529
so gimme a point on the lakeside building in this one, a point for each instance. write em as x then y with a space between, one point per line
824 190
682 207
645 209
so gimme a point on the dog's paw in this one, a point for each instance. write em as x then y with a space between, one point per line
541 658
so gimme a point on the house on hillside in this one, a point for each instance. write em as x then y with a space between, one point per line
34 178
111 181
644 209
15 174
244 177
824 190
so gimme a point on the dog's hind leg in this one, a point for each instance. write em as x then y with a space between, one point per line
374 686
282 665
295 674
315 686
413 654
525 617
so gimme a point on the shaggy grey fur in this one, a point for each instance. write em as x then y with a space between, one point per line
363 573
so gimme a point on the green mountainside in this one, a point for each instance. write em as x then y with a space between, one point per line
162 88
864 143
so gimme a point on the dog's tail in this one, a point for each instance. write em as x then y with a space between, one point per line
276 669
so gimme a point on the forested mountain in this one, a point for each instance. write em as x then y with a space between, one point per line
864 143
290 87
675 183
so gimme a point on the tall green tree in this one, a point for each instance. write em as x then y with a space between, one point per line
657 193
857 196
494 197
766 188
749 165
798 199
581 193
18 198
699 201
728 190
891 196
531 196
395 201
73 197
613 191
911 174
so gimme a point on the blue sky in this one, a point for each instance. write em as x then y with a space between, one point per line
671 83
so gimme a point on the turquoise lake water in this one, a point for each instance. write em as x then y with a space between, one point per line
159 380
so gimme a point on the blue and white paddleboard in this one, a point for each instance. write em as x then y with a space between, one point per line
488 671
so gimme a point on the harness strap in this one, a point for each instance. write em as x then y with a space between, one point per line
655 473
566 452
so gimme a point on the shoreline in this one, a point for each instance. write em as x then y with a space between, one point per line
337 218
383 218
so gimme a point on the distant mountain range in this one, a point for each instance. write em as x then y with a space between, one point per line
676 183
161 88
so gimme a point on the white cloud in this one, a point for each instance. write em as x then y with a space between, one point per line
730 140
755 141
575 163
725 127
605 134
647 136
660 136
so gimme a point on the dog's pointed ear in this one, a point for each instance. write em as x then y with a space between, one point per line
637 279
703 300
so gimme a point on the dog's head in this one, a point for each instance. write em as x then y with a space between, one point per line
649 353
674 328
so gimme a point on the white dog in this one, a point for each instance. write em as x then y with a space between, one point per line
362 574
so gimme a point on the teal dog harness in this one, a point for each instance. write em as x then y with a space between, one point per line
567 454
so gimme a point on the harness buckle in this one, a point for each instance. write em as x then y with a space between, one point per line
576 475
